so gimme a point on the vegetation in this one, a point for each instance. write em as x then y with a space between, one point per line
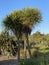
7 44
39 44
39 48
20 22
37 41
35 61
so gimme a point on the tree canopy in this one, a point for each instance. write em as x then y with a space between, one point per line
23 19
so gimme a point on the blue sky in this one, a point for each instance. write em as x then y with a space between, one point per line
7 6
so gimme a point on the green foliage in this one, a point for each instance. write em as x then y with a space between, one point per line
26 62
43 60
39 38
7 43
22 20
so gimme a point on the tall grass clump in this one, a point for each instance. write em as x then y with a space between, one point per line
43 60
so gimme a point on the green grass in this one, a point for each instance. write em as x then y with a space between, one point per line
44 50
40 57
44 60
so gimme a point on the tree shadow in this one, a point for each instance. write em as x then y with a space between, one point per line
39 54
47 48
9 62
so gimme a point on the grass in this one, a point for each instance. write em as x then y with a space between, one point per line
43 60
44 50
40 56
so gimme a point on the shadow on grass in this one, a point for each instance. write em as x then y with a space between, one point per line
9 62
38 57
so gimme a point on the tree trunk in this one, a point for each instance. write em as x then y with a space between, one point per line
18 48
28 46
25 46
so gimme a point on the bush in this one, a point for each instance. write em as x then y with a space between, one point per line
26 62
35 53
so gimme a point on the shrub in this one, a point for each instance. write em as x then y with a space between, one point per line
35 53
26 62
